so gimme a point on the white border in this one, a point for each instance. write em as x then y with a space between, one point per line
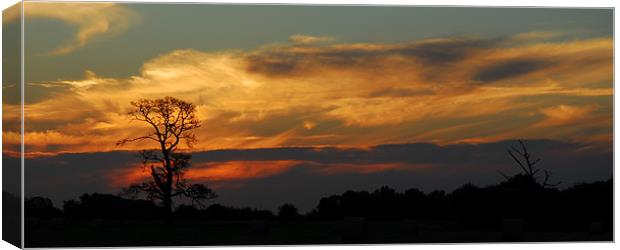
22 130
493 3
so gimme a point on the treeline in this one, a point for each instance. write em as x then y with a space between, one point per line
519 197
107 206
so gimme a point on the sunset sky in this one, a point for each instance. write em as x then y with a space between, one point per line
284 88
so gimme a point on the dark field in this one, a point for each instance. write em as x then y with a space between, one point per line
99 233
517 210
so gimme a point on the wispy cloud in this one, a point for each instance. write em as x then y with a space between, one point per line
564 114
346 94
307 39
90 20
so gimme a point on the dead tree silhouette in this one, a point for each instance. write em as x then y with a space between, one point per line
171 121
527 164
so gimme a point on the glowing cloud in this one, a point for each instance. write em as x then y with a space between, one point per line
564 114
305 39
346 94
209 171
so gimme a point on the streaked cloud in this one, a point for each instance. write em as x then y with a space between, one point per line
345 94
564 114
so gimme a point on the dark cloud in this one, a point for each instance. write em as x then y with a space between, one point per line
511 68
389 153
430 59
276 64
290 60
67 176
445 51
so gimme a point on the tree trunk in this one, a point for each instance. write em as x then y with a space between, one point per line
168 207
168 196
168 187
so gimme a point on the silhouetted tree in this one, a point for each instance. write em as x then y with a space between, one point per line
414 199
288 212
40 207
385 203
329 208
527 165
171 121
107 206
355 204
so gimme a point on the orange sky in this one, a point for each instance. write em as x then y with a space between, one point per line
321 90
319 97
317 93
220 173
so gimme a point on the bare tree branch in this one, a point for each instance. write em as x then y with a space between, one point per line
524 161
518 161
172 120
